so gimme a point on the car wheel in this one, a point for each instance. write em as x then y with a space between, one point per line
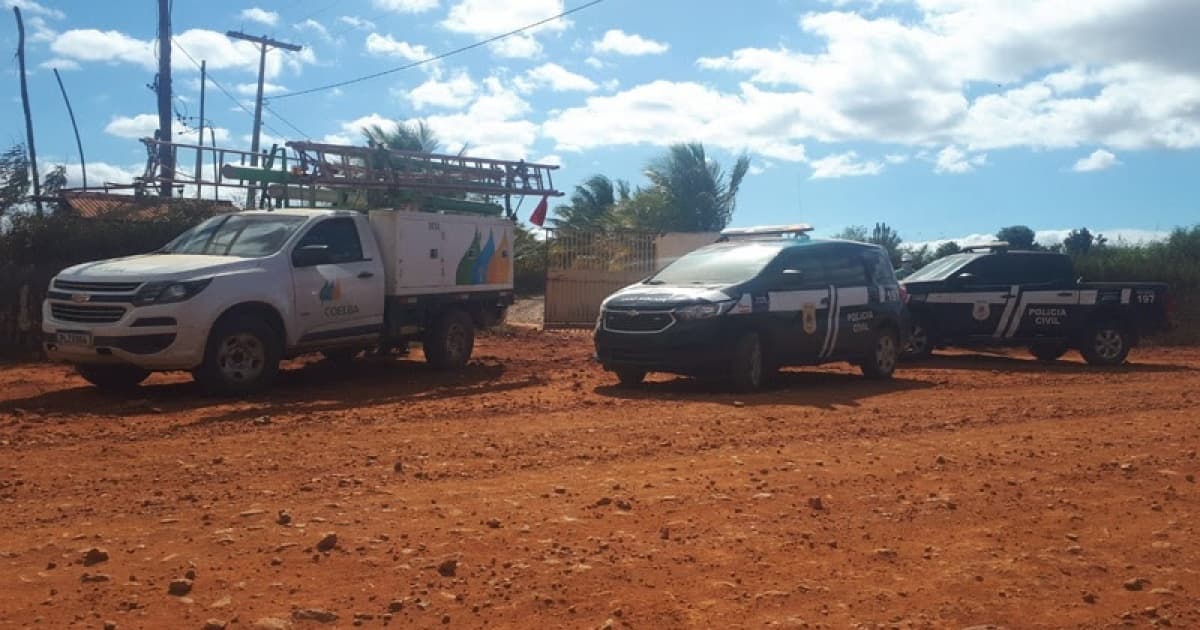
1048 352
451 340
749 364
242 357
920 340
1106 343
630 377
880 363
113 378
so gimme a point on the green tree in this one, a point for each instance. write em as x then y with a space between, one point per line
1078 242
414 136
593 204
853 233
696 192
14 177
949 248
1018 237
888 238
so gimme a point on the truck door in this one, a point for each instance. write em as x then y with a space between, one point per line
983 297
798 295
1049 302
847 270
338 282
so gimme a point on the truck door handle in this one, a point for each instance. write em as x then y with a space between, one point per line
1065 294
365 274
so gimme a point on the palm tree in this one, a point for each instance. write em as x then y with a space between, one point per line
699 195
414 136
592 204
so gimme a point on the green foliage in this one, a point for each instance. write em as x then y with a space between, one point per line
1018 237
881 234
593 205
853 233
696 194
417 136
949 248
1082 241
14 177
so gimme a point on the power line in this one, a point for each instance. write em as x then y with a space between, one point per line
223 90
438 57
285 121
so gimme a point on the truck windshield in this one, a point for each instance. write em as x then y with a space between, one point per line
241 235
941 268
721 264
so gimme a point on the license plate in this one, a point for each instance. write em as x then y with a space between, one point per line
73 339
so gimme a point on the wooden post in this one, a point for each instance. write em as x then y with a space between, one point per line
166 157
33 164
200 141
71 113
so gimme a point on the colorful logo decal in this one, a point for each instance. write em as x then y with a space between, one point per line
331 291
485 263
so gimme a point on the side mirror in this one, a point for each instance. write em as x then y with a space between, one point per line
311 256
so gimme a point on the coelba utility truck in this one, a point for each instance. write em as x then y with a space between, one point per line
231 297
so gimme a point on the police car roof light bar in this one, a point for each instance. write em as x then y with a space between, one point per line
796 230
998 246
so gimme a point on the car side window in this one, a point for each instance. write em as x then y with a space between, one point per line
801 267
846 268
993 269
881 268
339 235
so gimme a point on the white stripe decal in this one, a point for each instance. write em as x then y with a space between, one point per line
1088 298
830 323
1040 298
795 300
854 296
991 297
1010 303
1125 294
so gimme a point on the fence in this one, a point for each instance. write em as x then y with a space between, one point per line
22 289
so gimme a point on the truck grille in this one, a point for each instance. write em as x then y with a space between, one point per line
86 313
97 287
638 321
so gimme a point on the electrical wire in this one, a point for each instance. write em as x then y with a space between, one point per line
438 57
284 120
226 92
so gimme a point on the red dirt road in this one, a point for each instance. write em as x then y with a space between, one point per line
528 491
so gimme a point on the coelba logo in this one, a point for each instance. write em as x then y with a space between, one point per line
331 291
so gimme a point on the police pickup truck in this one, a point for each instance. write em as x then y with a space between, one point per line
760 299
989 296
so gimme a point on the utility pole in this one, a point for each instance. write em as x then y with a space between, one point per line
200 142
166 159
37 183
264 43
71 113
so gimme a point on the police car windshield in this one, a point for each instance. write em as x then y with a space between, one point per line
941 268
721 264
241 235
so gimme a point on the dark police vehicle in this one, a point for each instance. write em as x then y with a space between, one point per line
989 296
759 299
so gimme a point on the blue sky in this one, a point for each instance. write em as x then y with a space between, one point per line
944 118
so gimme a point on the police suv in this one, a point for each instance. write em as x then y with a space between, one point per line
757 300
989 296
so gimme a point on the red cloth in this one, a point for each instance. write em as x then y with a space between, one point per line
539 213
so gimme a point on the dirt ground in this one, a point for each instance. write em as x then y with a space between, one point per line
527 491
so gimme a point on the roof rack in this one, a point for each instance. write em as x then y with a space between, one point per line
997 247
795 230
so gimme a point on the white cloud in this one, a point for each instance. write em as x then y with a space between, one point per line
406 6
353 21
262 16
386 46
1053 237
144 126
100 173
552 159
251 89
61 64
954 160
453 93
559 79
221 52
488 18
844 165
595 62
34 8
315 27
1099 160
895 158
519 46
618 42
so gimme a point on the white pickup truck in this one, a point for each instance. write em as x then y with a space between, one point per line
231 297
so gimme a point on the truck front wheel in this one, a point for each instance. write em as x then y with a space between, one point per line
242 357
112 378
449 343
1106 343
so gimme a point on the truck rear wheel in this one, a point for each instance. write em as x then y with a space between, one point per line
112 378
880 362
749 365
630 377
450 342
242 357
1106 343
920 341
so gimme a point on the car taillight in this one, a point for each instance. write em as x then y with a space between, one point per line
903 295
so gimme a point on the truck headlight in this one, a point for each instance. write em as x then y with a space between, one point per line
169 292
702 311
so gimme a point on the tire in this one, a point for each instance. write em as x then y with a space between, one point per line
113 378
920 340
749 366
1048 352
880 362
343 356
450 342
1106 343
242 357
630 377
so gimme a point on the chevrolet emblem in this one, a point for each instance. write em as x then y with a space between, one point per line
80 298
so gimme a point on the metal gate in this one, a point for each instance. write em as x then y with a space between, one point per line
584 267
